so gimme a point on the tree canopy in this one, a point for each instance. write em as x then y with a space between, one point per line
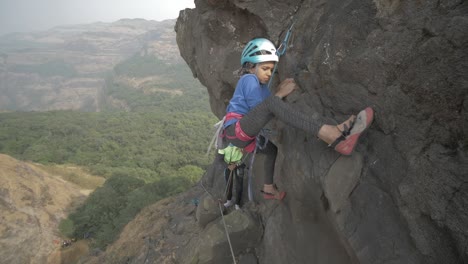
150 150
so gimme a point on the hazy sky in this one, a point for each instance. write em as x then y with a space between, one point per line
31 15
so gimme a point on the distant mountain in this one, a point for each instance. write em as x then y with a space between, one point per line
66 67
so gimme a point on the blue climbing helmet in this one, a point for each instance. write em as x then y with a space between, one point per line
259 50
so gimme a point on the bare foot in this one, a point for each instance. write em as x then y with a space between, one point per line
329 133
269 188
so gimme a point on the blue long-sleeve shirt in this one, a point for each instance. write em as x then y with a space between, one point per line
248 94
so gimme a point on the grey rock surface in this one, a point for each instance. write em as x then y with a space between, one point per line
213 246
341 180
409 61
207 211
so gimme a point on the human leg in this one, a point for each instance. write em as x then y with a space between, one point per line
345 143
270 191
228 177
260 115
239 183
252 123
232 138
341 137
270 151
329 133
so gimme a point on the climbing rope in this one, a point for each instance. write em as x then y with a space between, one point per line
224 222
227 233
281 50
216 140
228 185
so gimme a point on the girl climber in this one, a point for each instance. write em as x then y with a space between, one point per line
252 107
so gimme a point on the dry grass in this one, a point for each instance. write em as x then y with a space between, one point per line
34 200
74 252
70 254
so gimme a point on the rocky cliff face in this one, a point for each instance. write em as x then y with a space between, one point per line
66 67
400 198
403 196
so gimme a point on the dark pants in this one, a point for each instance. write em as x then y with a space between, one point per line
253 122
235 183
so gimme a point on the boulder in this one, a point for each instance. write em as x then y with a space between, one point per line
342 179
207 210
244 232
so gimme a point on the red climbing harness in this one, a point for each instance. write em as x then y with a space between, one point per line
239 133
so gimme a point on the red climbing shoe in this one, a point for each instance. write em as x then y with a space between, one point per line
347 141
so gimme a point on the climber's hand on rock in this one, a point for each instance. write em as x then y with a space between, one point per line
286 87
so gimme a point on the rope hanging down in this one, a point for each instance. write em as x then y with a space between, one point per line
224 222
227 234
280 52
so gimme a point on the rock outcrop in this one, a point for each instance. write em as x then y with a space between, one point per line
161 233
213 245
403 196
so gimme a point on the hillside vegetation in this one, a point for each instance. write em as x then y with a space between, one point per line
149 146
146 156
141 145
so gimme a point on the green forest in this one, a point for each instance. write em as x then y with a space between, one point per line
155 150
144 145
